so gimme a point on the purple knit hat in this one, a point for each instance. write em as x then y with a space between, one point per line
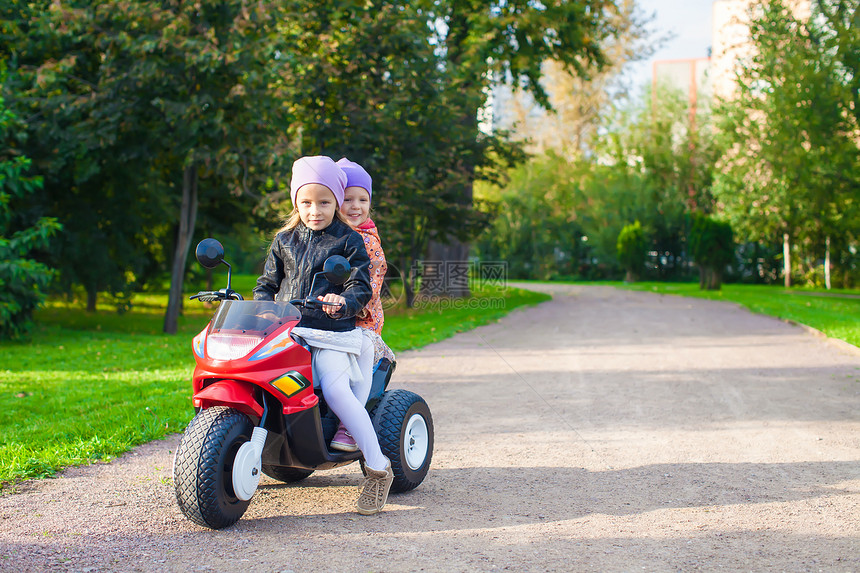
356 176
318 169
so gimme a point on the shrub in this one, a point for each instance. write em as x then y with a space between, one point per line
632 250
712 246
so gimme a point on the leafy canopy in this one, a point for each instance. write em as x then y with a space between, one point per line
23 279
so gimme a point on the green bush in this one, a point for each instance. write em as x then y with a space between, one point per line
712 246
632 250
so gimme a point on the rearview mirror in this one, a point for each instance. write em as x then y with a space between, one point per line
210 253
336 269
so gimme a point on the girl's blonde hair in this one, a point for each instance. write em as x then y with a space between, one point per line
293 219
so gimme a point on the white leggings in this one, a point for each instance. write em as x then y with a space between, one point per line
365 364
332 369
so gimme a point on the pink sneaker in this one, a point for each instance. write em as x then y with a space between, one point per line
343 441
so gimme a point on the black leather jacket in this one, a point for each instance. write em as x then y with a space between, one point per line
296 255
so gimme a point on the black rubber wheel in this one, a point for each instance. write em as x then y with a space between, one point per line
288 475
203 467
404 427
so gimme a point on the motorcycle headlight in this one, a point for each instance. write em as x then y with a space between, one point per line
230 346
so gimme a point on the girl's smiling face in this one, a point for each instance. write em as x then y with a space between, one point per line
316 205
356 205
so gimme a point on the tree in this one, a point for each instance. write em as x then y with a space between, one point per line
839 34
651 164
91 155
207 76
485 43
713 248
665 160
23 279
369 86
538 220
632 249
145 105
577 101
68 136
790 169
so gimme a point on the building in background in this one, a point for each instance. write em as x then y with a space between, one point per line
730 40
690 76
730 43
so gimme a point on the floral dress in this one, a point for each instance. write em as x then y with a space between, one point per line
372 317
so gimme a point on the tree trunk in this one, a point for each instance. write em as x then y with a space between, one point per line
209 283
827 263
786 256
187 218
92 299
446 270
406 277
715 279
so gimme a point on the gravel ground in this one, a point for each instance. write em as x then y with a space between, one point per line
604 430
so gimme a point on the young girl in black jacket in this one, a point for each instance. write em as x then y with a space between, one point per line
313 232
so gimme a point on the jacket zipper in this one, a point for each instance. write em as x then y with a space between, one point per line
306 278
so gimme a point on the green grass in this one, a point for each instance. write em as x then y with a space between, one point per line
835 316
90 386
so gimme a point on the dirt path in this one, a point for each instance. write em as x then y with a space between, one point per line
604 430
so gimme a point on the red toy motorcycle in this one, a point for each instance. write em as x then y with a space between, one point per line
257 409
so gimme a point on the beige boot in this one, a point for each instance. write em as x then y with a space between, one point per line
374 490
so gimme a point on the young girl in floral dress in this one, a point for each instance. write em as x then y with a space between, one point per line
356 211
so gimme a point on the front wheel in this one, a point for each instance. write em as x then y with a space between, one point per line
404 427
203 467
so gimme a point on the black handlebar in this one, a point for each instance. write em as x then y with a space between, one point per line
212 295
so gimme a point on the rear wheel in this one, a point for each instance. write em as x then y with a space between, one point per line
286 474
203 467
404 427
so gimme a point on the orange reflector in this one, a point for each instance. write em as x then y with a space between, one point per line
288 385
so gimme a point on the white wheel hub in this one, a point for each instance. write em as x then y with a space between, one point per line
416 441
247 467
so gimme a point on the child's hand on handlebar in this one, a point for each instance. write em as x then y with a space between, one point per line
332 309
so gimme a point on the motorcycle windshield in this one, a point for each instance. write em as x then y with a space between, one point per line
259 317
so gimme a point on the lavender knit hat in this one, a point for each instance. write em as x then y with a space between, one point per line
356 176
318 169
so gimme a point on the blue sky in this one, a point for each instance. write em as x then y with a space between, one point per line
689 21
